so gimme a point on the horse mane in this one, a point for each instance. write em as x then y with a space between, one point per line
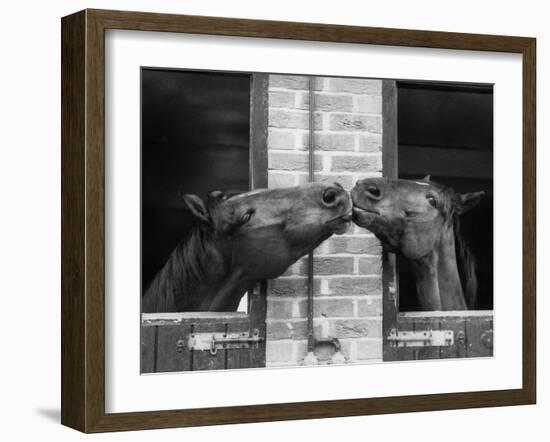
173 287
466 265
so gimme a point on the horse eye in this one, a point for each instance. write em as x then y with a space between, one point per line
431 200
246 217
410 213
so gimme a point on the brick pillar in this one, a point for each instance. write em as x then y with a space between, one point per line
347 268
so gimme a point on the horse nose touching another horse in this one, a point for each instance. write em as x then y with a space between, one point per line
420 221
240 239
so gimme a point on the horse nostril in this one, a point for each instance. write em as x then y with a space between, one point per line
329 195
374 191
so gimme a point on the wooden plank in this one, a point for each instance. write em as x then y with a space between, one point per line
406 353
458 350
73 211
389 129
240 357
189 317
203 359
170 356
257 297
258 310
148 349
479 332
258 130
389 304
146 21
389 170
429 352
436 315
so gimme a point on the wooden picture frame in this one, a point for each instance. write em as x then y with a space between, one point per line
83 220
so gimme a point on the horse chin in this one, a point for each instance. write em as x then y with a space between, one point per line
342 227
365 218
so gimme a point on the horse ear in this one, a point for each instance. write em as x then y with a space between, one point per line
469 201
196 206
426 178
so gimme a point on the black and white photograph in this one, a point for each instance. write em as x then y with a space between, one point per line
274 221
302 220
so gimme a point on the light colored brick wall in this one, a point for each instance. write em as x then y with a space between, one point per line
347 268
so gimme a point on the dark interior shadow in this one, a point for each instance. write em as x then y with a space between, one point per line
51 414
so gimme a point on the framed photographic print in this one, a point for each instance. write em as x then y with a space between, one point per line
270 220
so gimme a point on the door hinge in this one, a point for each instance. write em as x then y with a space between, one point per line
223 341
425 338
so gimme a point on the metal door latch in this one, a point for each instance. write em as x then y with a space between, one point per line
426 338
224 341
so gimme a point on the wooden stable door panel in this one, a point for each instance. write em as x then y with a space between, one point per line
472 336
170 356
458 326
191 342
148 349
204 359
479 335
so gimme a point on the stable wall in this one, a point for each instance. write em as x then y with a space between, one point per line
347 268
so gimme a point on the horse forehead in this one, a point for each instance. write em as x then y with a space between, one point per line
278 196
412 187
245 195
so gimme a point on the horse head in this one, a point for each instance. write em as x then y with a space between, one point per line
418 220
240 239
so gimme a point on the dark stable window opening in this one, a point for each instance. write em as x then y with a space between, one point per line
195 139
446 130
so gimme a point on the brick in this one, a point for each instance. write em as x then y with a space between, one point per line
356 328
286 329
330 265
348 348
370 143
359 244
292 286
289 119
302 178
334 142
303 140
368 349
279 351
356 122
289 81
355 285
294 82
356 86
301 308
371 104
328 102
277 180
369 306
346 181
333 307
279 308
293 161
282 99
293 270
370 266
356 163
280 139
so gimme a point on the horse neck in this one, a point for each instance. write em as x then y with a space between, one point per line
174 286
437 279
195 278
